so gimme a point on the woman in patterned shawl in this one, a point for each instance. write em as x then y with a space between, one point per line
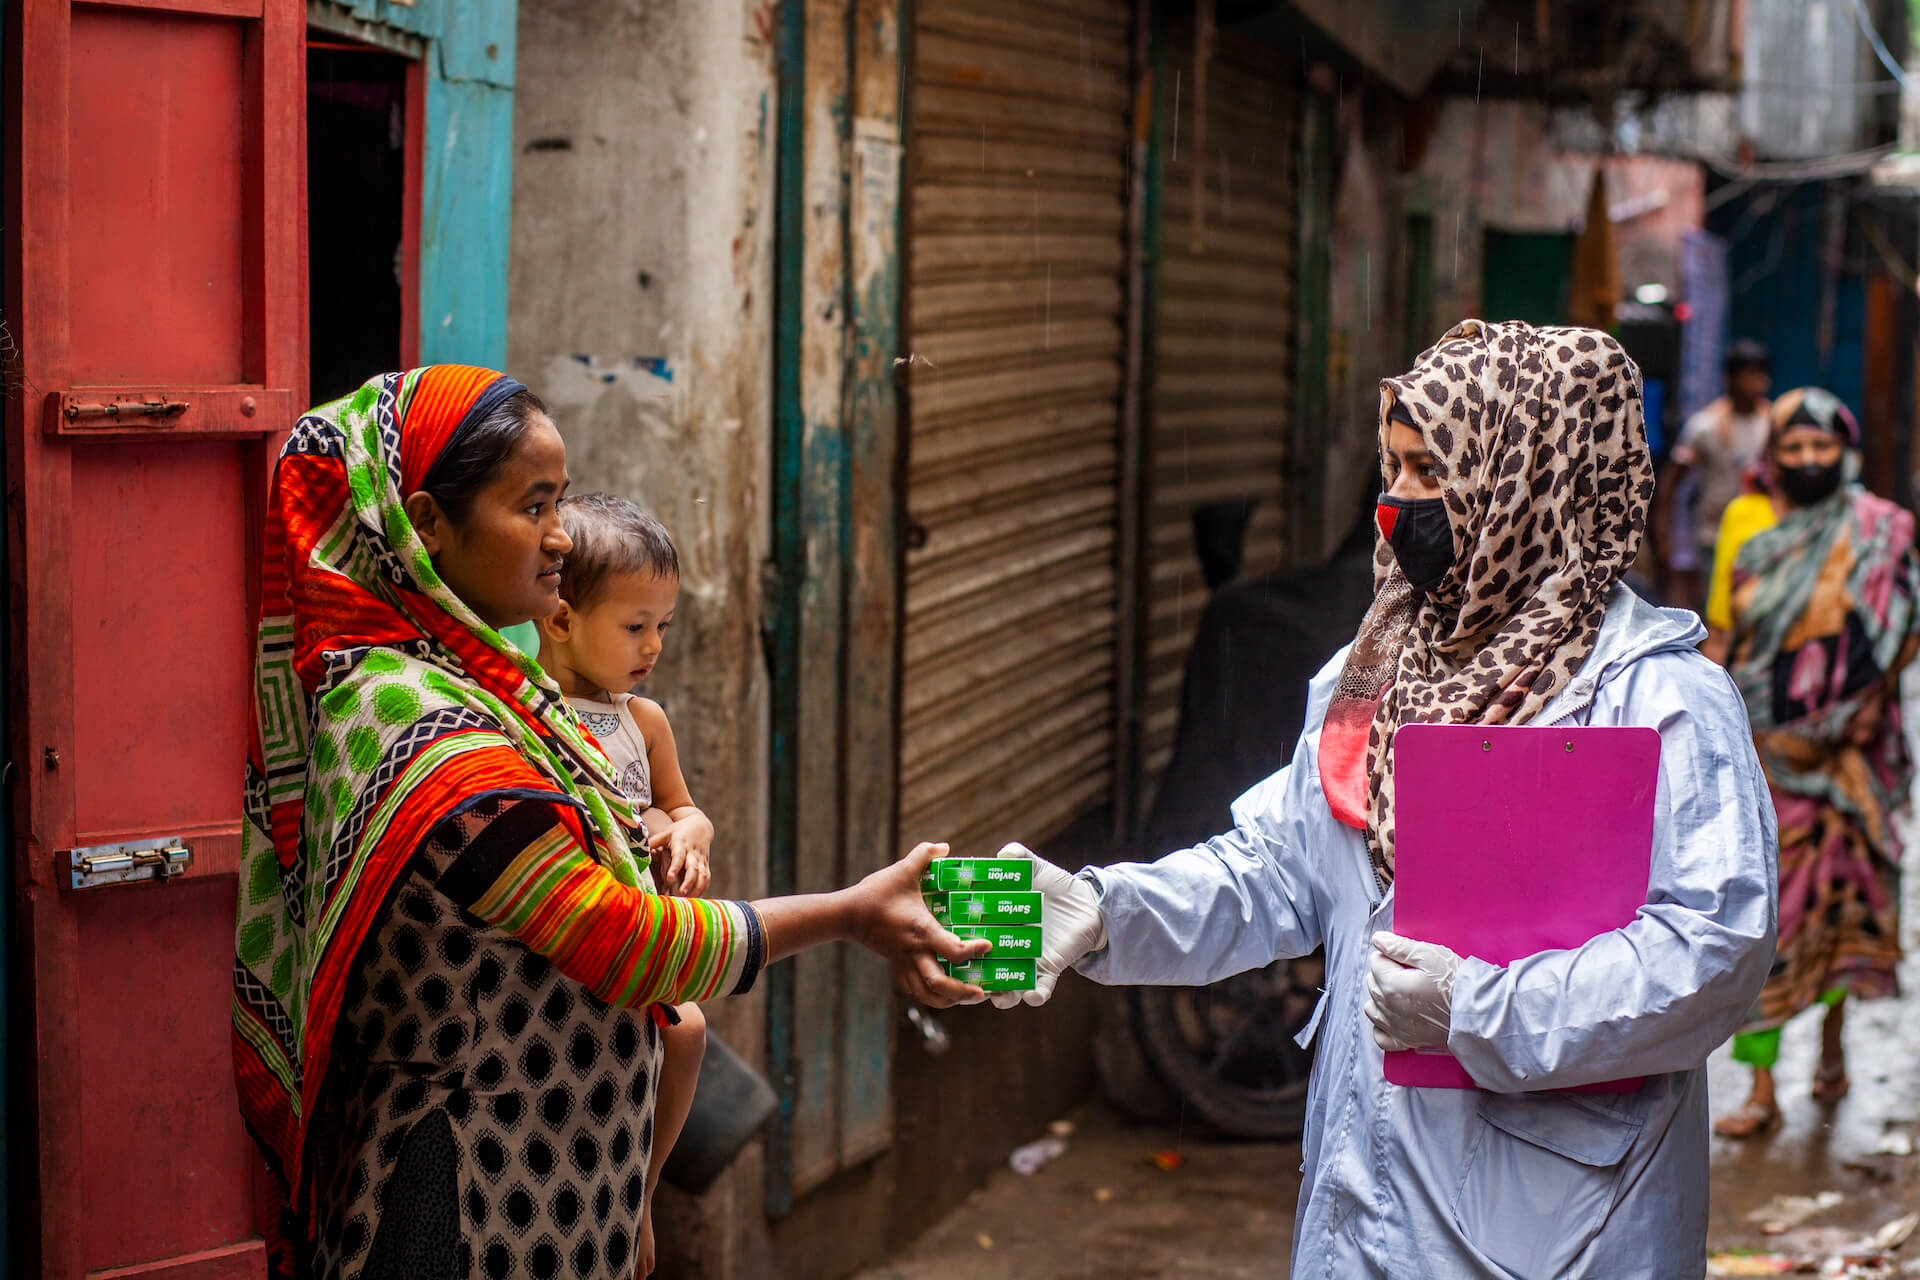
447 944
1517 482
1815 592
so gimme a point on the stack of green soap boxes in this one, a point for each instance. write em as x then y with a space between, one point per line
989 898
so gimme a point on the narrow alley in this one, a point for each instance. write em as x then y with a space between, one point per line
531 525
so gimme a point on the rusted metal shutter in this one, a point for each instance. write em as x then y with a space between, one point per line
1017 163
1223 322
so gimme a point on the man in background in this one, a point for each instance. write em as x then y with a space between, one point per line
1711 459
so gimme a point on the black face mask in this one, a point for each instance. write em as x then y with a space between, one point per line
1421 537
1809 484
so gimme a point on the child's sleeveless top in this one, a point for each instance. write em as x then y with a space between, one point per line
610 718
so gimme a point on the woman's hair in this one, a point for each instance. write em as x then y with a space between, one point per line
469 463
611 537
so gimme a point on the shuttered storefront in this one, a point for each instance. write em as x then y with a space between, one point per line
1016 229
1222 333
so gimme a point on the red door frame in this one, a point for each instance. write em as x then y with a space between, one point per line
39 83
412 174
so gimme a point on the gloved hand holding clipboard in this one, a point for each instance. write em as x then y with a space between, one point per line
1515 840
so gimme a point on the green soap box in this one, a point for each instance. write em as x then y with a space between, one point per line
993 907
1009 940
965 875
993 975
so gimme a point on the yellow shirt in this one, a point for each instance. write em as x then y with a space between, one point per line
1746 515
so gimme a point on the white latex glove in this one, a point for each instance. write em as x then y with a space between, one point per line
1409 992
1070 927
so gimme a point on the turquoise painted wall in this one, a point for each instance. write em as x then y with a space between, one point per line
466 193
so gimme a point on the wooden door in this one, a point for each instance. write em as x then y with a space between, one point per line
155 286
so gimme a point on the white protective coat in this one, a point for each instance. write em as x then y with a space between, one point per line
1516 1180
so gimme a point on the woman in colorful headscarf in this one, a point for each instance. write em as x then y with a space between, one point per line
1812 608
1517 483
448 948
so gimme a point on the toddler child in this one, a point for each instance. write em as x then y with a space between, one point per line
618 587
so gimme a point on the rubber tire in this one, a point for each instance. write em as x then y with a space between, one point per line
1264 1114
1128 1084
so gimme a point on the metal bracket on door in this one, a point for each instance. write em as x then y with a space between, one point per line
147 407
104 864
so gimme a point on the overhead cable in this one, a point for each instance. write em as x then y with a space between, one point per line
1887 60
1836 166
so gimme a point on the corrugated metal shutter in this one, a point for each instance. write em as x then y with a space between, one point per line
1017 250
1223 322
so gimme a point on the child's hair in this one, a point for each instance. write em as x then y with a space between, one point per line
610 536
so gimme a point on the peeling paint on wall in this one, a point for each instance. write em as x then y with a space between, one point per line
624 254
875 264
579 381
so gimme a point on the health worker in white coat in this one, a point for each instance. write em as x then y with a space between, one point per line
1518 484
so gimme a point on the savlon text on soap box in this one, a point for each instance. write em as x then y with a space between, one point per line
987 908
966 874
1009 941
991 974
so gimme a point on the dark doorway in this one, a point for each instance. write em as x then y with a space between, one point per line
356 203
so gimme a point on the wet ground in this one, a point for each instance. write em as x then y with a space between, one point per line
1104 1209
1861 1150
1807 1198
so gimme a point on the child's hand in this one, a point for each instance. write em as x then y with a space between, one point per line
686 870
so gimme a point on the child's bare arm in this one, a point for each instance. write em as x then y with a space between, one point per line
656 820
689 838
663 758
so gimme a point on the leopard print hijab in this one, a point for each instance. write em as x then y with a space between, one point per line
1541 451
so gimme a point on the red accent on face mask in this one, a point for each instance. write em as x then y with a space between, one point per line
1386 517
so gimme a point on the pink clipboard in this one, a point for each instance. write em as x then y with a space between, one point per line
1514 840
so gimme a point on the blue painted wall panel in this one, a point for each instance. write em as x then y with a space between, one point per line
476 39
465 217
1777 243
463 30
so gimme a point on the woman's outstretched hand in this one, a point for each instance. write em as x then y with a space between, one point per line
893 922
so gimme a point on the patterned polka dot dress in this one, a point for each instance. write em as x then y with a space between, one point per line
499 1122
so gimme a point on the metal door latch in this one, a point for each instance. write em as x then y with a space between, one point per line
151 407
102 864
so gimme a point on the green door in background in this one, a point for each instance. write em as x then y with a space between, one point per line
1524 275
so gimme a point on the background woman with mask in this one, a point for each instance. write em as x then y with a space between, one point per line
1812 609
1517 484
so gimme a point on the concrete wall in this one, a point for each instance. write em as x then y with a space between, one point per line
641 289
